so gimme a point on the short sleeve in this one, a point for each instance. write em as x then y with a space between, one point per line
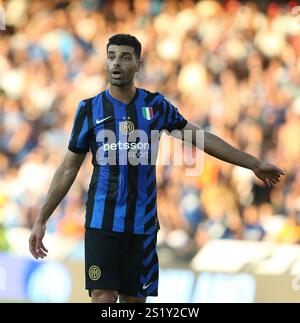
173 119
79 141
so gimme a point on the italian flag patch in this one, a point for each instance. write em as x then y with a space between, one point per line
148 113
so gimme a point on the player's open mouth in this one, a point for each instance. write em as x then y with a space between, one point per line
117 74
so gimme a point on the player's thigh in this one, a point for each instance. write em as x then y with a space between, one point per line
102 259
139 269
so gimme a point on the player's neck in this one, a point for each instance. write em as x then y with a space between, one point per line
124 93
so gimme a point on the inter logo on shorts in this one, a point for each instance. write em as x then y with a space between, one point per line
126 127
147 113
94 273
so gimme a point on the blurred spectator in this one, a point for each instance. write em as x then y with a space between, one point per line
252 230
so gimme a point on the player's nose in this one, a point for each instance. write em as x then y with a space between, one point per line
117 62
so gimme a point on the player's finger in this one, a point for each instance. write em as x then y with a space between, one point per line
43 247
280 171
41 253
275 178
272 180
38 245
277 175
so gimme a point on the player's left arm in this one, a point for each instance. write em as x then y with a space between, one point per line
217 147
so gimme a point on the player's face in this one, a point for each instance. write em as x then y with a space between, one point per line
121 64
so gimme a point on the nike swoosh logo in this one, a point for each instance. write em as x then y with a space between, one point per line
100 121
146 286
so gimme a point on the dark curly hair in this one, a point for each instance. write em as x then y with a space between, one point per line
128 40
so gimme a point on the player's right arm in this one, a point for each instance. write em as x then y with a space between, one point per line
62 180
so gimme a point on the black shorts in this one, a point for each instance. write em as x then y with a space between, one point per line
123 262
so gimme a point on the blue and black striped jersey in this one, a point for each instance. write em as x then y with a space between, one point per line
124 142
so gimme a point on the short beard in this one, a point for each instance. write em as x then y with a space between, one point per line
122 83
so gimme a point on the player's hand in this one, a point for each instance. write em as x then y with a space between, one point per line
268 173
36 245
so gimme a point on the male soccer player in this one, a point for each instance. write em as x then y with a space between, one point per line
121 215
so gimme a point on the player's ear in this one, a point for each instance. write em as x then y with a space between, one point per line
139 65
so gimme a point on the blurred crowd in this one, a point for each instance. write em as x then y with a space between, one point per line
230 67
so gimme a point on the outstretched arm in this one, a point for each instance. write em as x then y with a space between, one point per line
62 181
217 147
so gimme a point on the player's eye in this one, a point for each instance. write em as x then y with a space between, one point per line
127 58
